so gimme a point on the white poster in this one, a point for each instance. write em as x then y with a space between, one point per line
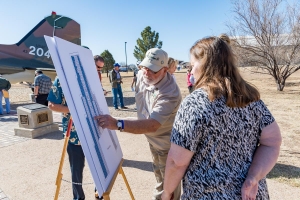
79 79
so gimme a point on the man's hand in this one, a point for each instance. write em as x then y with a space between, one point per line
107 121
105 92
249 189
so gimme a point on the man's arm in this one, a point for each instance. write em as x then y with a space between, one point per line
141 126
264 160
36 90
58 107
178 160
8 86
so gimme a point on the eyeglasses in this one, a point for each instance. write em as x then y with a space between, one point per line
147 69
99 68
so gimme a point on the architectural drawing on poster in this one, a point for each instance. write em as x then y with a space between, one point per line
81 86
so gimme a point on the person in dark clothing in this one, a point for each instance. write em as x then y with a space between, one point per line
42 86
4 87
116 80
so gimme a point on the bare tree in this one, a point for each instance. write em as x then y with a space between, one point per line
266 34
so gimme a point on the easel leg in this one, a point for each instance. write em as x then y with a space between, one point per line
59 174
126 182
58 183
118 171
106 196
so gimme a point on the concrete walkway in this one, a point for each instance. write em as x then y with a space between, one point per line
8 123
7 138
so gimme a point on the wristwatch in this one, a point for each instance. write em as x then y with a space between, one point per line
120 125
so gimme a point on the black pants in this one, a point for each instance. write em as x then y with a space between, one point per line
42 99
76 159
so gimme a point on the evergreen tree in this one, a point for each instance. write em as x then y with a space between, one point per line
109 61
149 40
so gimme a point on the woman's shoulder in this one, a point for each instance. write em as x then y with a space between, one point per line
257 104
198 99
198 94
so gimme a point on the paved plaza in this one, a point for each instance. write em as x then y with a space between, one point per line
7 136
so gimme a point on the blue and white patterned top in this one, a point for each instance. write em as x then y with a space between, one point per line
224 141
56 96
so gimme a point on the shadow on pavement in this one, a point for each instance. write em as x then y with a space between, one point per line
57 135
127 101
8 119
142 165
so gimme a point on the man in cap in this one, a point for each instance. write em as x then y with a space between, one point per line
42 86
157 98
116 80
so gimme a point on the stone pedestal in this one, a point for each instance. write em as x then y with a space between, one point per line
35 120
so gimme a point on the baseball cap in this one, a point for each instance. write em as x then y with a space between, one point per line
116 65
155 59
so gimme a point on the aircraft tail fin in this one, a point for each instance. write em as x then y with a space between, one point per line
53 25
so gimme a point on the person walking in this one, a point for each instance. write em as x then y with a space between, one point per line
189 83
116 81
157 98
133 83
42 86
172 63
224 139
4 87
134 79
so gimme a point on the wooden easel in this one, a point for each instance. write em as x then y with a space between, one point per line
118 171
61 164
60 175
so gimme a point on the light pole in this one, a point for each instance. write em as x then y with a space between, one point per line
126 57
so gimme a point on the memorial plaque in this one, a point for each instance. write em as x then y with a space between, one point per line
34 106
42 117
24 119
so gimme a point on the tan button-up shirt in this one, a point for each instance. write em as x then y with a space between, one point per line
159 102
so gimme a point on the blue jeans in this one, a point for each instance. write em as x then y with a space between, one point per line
76 159
7 104
117 91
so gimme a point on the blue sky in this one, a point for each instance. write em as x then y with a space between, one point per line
108 24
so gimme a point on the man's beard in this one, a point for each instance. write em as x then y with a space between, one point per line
153 81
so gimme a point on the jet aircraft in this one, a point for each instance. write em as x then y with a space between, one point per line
19 61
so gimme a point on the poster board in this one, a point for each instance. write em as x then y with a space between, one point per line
79 80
